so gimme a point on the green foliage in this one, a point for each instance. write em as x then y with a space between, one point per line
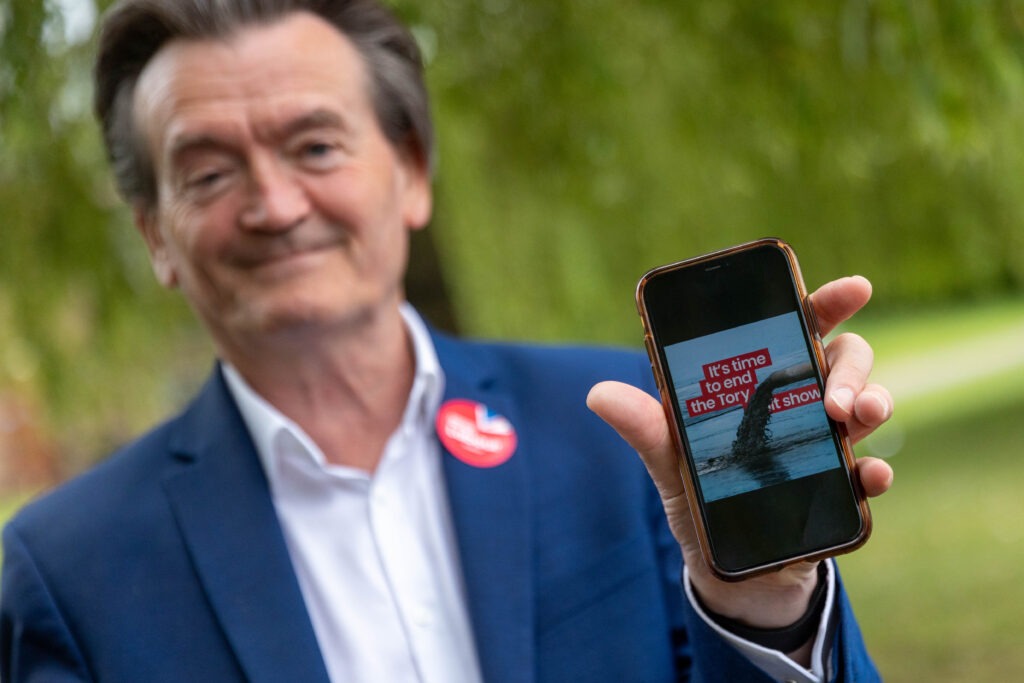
83 325
582 142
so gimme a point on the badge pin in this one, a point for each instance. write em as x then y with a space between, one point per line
475 434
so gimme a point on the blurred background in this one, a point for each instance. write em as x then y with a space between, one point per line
583 142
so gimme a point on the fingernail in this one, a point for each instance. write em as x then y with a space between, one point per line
843 398
885 405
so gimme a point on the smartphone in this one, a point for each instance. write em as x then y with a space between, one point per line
740 366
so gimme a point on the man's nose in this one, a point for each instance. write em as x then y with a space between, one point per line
276 200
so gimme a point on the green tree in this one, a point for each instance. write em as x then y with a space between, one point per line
84 329
585 141
582 142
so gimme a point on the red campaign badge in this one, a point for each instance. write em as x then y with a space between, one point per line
475 434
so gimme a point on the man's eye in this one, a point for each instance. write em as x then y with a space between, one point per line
204 183
318 154
318 149
204 179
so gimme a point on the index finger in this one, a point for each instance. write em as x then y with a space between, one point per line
836 301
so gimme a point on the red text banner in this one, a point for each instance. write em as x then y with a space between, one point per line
728 383
795 398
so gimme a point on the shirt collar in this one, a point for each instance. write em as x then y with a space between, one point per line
266 424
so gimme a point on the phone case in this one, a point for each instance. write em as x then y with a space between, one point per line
810 322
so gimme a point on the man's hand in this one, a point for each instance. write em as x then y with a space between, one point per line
778 599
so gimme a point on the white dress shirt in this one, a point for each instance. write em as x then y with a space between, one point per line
375 554
774 663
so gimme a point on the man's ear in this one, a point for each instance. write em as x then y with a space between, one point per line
148 225
418 197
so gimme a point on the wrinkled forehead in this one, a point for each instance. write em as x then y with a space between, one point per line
298 60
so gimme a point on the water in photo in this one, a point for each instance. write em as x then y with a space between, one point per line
751 407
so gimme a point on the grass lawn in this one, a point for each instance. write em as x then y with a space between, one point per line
938 590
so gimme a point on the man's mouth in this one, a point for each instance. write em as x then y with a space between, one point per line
266 255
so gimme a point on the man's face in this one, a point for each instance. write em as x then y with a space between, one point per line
281 208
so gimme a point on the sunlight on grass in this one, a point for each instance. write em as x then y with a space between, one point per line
937 589
940 363
904 332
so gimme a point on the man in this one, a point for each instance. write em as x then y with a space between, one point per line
328 507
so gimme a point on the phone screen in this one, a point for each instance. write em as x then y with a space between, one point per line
738 362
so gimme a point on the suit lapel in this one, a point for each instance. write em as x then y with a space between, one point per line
491 514
223 506
222 503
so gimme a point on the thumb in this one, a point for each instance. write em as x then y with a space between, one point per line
640 420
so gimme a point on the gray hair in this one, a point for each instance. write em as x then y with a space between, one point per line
135 30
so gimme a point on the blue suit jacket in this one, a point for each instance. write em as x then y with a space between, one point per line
167 562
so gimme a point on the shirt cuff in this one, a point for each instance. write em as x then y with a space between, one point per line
773 662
